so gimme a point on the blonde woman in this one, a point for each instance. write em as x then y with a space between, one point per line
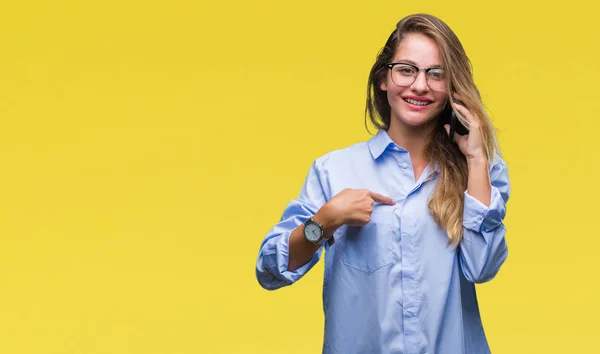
412 218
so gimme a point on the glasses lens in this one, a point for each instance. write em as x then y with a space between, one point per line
436 79
403 75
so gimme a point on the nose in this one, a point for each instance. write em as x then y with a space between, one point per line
420 83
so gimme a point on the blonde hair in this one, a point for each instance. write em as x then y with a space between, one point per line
447 201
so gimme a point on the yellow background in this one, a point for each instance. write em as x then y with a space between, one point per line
146 147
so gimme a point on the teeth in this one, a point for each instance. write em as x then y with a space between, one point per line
415 102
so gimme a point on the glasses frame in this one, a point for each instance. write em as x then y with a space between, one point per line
419 69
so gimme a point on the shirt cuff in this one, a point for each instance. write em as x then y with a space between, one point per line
478 217
281 260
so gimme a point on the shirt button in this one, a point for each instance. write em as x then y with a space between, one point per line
404 165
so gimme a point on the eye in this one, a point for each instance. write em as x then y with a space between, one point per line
405 70
436 74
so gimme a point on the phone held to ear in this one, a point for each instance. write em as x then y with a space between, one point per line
449 117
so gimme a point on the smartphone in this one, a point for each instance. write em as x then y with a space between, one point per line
449 117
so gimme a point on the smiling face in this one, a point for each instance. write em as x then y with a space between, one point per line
416 105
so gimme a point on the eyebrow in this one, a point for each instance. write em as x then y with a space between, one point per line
413 63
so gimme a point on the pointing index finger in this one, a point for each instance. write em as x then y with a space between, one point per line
381 198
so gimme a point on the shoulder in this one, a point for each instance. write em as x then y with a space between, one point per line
358 152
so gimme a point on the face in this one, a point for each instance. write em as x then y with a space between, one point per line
415 105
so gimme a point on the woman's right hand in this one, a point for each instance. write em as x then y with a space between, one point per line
350 207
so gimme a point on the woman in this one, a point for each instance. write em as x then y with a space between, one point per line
411 219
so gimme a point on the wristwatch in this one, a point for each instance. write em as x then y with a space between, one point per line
313 232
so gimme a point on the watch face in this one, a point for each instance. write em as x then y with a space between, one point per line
312 231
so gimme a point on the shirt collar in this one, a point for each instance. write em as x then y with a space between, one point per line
382 141
379 143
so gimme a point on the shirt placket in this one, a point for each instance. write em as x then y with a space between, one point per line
411 294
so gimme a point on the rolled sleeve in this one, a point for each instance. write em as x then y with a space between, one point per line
272 268
478 217
273 259
483 248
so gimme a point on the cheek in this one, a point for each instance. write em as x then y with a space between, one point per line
393 93
439 107
441 97
440 102
438 110
394 100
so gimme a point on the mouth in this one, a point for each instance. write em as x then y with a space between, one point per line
417 102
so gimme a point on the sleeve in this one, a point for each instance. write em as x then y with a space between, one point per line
273 258
483 249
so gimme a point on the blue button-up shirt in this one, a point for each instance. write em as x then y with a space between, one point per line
394 285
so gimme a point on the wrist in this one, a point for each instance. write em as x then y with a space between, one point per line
328 222
477 160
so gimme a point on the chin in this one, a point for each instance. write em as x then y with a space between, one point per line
412 120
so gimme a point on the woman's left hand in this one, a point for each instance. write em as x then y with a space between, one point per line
471 145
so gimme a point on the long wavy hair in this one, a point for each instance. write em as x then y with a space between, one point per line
447 200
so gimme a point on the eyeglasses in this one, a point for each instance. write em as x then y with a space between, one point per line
404 74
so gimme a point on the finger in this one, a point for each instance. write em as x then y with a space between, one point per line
381 198
456 136
458 99
464 112
447 128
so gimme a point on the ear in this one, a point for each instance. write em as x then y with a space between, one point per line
383 85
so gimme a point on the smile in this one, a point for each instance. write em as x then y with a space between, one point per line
417 103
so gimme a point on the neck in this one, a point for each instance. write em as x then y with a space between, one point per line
413 139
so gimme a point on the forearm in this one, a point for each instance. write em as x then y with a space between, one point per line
478 185
300 249
483 248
